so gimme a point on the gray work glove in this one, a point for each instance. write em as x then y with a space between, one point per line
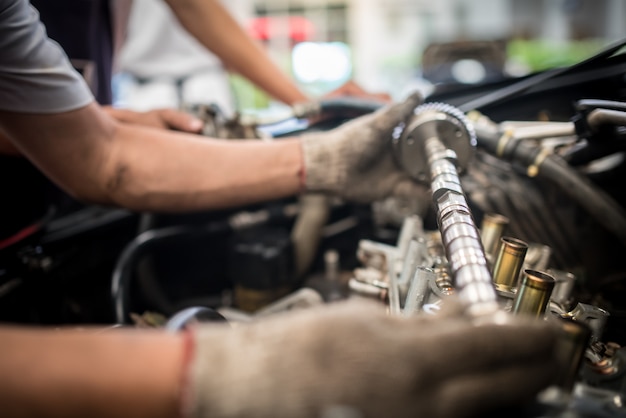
354 357
354 161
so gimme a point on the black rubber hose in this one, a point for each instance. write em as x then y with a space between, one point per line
606 211
602 117
601 123
349 104
336 107
123 272
327 114
600 205
583 105
134 250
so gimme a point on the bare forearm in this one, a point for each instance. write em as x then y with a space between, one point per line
99 160
216 29
178 172
68 374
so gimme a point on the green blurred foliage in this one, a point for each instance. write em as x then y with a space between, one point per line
247 95
540 55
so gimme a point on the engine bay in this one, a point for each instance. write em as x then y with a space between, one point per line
525 213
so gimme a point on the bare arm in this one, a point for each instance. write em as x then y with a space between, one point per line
216 29
68 373
100 160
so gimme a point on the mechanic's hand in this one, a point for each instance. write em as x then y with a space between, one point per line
354 161
158 118
351 89
354 356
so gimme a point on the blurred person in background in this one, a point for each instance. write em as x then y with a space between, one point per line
162 66
93 32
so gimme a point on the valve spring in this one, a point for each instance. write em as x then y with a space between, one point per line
443 280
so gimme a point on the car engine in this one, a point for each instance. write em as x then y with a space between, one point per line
526 214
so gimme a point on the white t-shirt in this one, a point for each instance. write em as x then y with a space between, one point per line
156 45
35 74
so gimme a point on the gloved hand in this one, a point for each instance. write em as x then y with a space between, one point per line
355 356
354 161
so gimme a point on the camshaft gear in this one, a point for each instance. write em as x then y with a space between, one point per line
439 120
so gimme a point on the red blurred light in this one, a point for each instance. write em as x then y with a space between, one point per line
296 28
